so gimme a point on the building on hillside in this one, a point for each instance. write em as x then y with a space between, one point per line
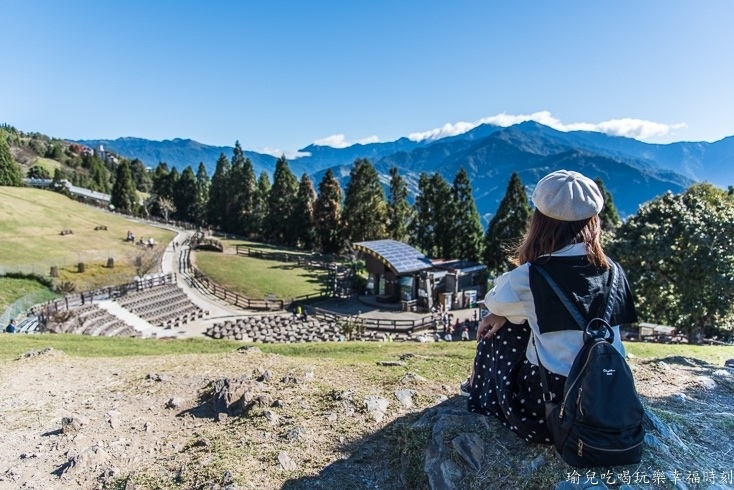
398 272
81 193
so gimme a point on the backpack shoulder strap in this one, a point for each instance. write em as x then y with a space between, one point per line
575 314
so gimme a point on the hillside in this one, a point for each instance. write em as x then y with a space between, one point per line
31 221
311 419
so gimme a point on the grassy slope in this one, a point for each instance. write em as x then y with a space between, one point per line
257 278
12 290
30 223
441 355
48 164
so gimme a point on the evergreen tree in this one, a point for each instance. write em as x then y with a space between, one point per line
124 197
38 172
184 195
141 176
217 206
261 204
507 227
609 215
468 235
242 189
280 203
677 252
399 211
302 218
202 194
365 209
431 229
327 214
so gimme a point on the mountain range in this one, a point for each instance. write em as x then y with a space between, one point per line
632 171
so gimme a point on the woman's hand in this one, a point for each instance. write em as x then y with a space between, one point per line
490 325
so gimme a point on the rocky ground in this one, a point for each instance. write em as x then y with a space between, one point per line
254 420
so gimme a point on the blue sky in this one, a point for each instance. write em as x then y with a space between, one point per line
279 75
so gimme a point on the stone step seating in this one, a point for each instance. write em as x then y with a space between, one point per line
165 306
91 320
132 300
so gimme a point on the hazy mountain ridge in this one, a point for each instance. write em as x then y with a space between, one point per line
489 154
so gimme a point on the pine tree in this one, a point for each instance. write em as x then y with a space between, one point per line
217 206
261 204
609 215
468 231
507 227
399 211
327 214
280 203
202 194
302 218
242 187
365 209
124 197
184 195
431 229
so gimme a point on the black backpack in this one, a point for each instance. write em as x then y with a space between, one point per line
599 420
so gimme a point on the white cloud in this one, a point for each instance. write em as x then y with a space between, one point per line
340 141
289 154
629 127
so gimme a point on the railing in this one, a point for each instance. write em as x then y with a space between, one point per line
378 324
80 299
235 298
300 259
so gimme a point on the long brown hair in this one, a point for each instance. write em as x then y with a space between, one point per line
546 235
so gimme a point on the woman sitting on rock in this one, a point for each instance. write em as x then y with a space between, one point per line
564 237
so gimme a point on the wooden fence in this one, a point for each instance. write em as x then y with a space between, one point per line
378 324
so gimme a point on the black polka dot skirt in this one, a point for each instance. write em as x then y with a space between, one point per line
508 386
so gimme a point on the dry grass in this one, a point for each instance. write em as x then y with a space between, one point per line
31 221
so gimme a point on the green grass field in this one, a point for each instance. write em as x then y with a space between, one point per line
48 164
31 221
12 290
446 356
257 278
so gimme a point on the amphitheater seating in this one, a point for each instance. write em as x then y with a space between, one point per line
164 306
92 320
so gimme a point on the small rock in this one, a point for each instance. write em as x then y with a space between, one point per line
203 442
729 363
277 404
175 402
405 397
28 455
376 406
534 465
296 434
73 423
221 417
412 378
332 417
286 462
114 423
157 377
249 349
392 363
706 382
271 417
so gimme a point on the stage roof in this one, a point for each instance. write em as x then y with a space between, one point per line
398 256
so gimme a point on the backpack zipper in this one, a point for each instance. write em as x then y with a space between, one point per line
581 444
583 368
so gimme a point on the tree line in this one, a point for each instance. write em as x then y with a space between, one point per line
678 250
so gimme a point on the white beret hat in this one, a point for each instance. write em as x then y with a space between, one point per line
567 196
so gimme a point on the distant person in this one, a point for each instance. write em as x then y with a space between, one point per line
465 334
11 328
